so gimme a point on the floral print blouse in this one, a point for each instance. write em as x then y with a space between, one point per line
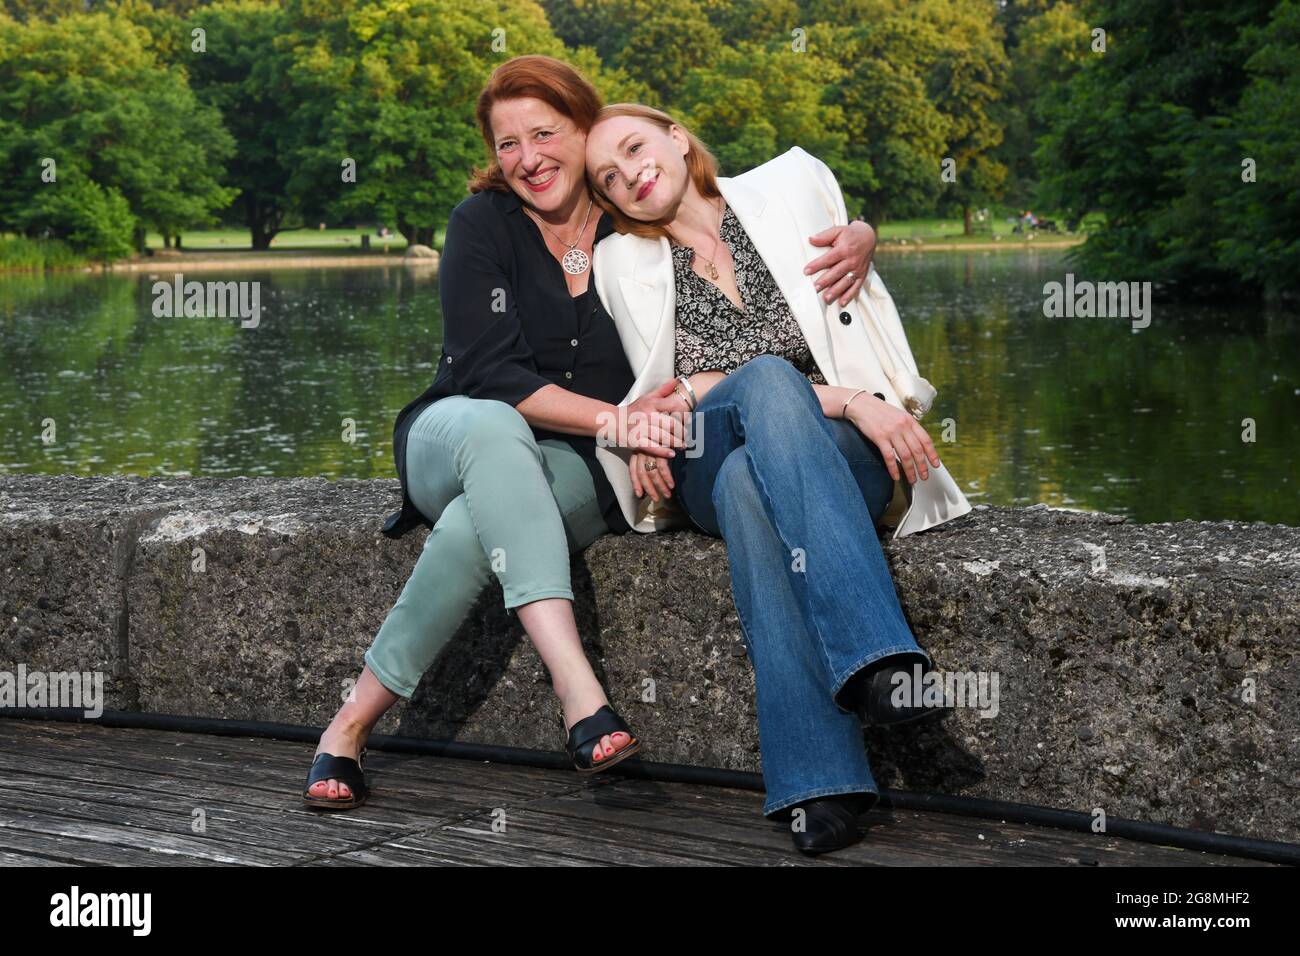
713 334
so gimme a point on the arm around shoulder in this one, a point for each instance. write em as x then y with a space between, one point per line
827 185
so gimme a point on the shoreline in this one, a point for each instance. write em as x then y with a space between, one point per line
217 261
200 262
1020 245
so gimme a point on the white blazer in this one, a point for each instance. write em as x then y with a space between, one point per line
860 345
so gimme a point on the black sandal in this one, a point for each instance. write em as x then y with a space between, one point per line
343 769
586 733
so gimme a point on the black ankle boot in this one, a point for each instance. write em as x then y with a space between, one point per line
870 693
831 823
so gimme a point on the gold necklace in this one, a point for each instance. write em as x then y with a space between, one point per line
713 270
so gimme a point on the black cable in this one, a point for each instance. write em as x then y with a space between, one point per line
1157 833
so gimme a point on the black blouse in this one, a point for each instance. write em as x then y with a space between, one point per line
510 327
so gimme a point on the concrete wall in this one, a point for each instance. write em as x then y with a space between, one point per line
1125 654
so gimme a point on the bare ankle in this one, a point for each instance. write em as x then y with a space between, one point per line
349 727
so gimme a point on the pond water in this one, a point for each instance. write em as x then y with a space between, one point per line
1083 413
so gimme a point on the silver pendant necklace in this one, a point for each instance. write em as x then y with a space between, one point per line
575 262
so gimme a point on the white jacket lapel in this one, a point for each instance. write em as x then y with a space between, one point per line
778 242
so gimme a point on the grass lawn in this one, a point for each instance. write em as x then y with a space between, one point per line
950 230
308 240
17 252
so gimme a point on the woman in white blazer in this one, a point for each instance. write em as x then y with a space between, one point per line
804 420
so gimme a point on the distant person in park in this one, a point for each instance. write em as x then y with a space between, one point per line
806 414
497 456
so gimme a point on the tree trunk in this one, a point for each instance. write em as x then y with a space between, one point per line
969 228
263 224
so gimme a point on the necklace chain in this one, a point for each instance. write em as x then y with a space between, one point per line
713 269
575 261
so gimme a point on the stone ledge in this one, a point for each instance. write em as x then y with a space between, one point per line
1120 684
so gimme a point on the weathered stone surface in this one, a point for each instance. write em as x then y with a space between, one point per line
1121 650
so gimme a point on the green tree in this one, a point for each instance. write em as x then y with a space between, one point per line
88 99
1151 132
94 220
668 39
1261 219
603 25
764 22
25 10
917 86
895 135
244 74
1047 41
966 74
655 42
391 85
753 103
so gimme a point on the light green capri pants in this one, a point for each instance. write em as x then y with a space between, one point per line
502 503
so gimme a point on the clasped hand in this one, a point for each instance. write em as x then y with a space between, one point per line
656 427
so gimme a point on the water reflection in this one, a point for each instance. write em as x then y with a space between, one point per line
1081 413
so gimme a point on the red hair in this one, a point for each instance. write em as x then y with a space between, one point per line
545 78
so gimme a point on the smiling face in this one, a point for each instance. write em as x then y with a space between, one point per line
540 152
639 166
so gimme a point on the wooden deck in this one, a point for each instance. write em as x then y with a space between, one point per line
85 794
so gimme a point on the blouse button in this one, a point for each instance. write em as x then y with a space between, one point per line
573 342
845 318
568 375
448 359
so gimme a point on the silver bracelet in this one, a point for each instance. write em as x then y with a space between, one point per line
692 401
845 412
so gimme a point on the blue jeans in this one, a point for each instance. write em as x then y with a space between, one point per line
797 496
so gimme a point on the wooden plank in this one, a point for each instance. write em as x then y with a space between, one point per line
607 843
677 823
22 859
85 793
389 807
110 791
258 760
441 848
417 788
939 838
650 812
300 834
14 823
57 850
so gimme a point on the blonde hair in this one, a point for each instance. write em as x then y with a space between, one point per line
700 165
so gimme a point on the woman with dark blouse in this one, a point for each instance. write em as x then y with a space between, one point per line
497 457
